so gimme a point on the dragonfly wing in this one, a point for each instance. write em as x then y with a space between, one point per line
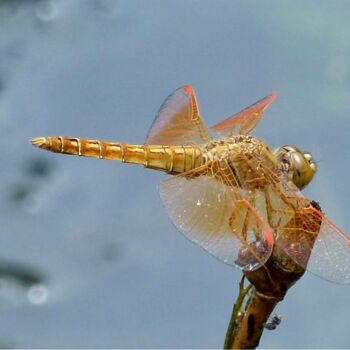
217 217
304 233
245 121
178 121
330 258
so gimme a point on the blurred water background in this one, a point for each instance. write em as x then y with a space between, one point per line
88 257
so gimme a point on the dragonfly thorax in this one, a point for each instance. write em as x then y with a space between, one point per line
240 144
242 156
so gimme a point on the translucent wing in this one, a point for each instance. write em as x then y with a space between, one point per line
304 233
178 121
330 258
245 121
210 212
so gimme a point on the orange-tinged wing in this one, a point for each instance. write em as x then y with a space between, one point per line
211 211
304 233
245 121
178 121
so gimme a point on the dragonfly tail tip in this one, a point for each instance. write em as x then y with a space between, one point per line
39 142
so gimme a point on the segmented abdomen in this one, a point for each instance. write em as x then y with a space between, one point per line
172 159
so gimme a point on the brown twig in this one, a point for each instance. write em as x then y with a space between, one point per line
251 325
270 284
236 313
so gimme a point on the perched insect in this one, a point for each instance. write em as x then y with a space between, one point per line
273 322
233 196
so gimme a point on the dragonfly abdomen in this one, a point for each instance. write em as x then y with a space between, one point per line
171 159
81 147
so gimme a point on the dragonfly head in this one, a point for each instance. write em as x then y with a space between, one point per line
298 167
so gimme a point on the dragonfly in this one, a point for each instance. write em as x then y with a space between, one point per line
228 191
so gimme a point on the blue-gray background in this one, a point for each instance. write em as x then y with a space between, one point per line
88 256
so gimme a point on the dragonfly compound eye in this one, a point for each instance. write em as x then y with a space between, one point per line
302 167
298 167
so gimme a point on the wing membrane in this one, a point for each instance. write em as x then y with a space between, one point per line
304 233
244 121
178 121
330 258
210 212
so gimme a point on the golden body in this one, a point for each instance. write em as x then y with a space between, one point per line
170 159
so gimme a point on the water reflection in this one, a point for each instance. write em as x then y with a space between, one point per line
37 294
104 6
27 193
46 10
19 193
20 283
111 252
7 344
2 85
12 6
38 167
